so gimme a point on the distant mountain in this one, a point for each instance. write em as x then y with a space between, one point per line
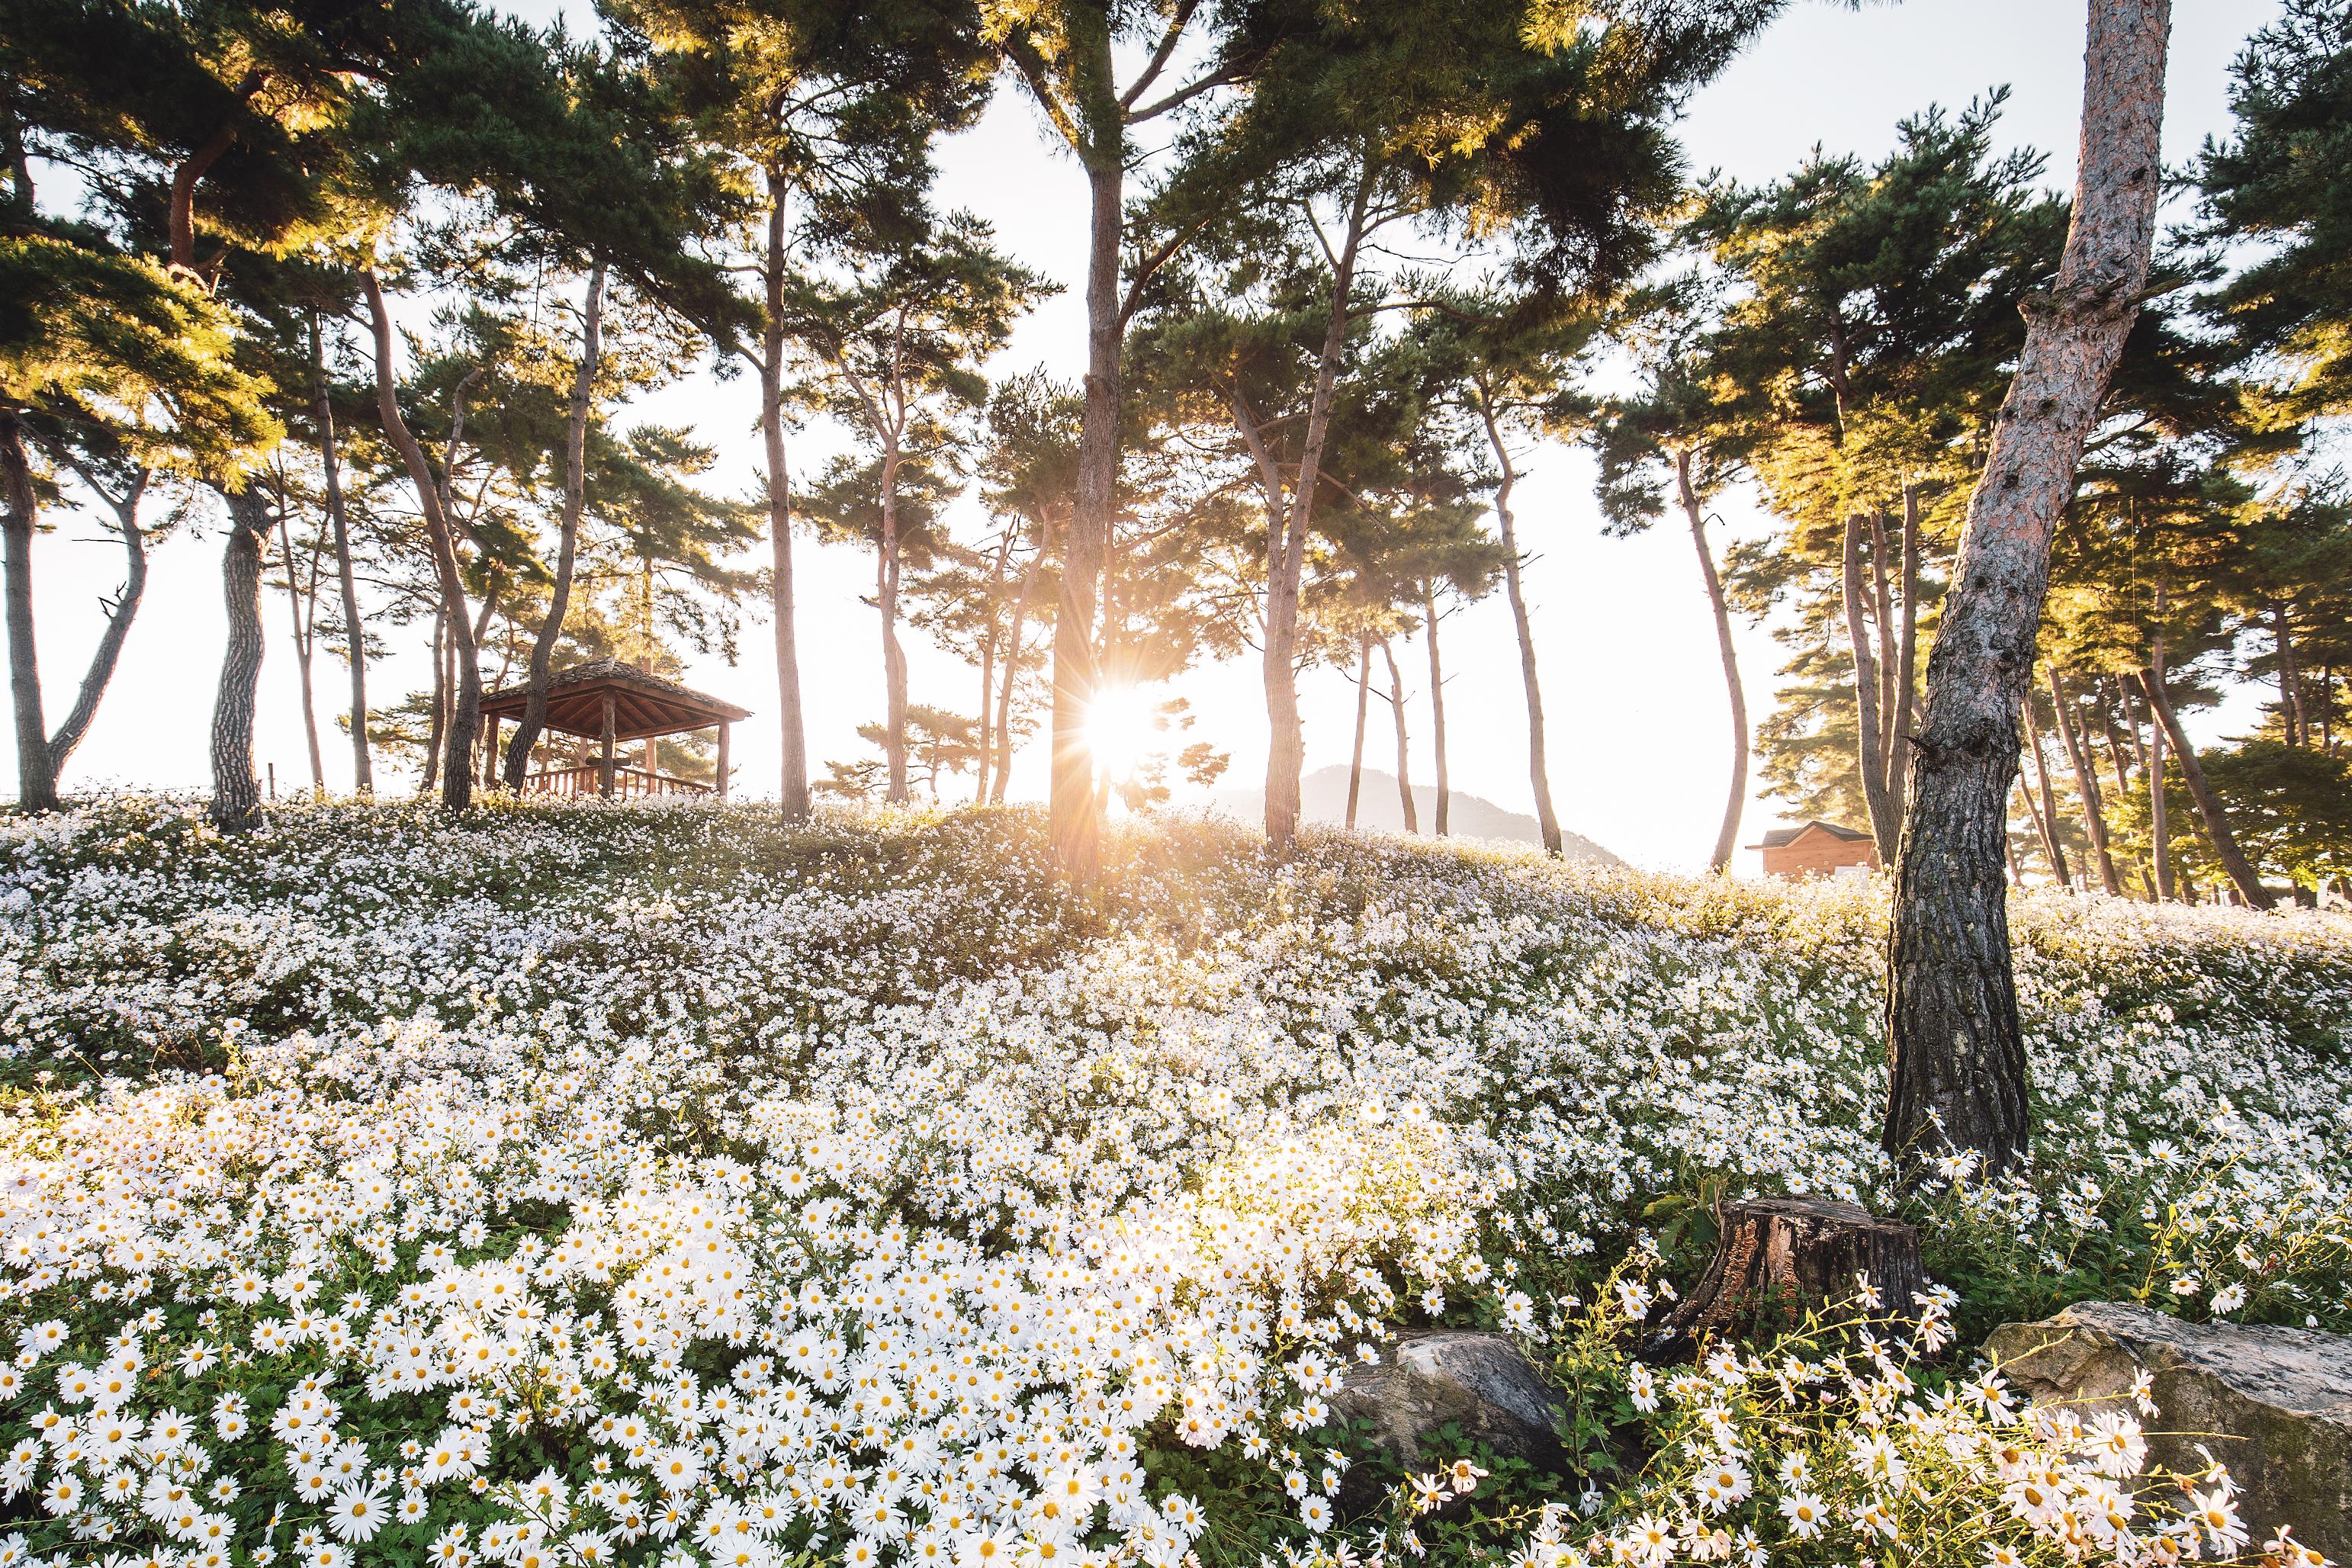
1323 794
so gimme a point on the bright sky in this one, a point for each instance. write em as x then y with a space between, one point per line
1632 686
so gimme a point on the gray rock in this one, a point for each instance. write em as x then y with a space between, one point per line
1478 1382
2274 1404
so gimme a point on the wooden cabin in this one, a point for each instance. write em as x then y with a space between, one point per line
1817 848
614 703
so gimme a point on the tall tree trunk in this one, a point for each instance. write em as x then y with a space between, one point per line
1726 837
1363 703
1897 771
1882 622
237 796
987 746
346 572
540 678
303 643
37 780
2298 733
2041 829
1539 771
2051 838
2240 870
794 782
457 774
894 657
1437 717
1957 1073
1285 757
2086 782
2159 803
1403 748
1073 821
67 736
1012 672
439 726
1870 744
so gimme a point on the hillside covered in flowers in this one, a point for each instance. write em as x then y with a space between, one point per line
588 1185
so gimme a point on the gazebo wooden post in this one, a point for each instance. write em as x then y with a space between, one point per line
491 751
604 760
723 727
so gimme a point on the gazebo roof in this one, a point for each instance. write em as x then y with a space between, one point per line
643 704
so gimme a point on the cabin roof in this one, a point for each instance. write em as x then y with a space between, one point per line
643 704
1780 838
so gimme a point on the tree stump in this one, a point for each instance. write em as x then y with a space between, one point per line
1779 1257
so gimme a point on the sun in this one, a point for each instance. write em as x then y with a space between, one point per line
1121 724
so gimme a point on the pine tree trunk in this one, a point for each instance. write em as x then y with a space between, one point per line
1726 837
439 725
1073 821
1403 749
1012 673
236 798
540 678
456 772
70 733
2298 733
1899 721
2086 782
1958 1060
1437 717
1286 758
792 784
2051 838
1870 745
2159 805
1363 701
303 641
1539 771
986 749
894 657
346 571
2240 870
36 782
2041 830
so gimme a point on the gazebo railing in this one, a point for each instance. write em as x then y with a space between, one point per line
627 782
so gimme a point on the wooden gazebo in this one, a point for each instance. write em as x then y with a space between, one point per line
612 702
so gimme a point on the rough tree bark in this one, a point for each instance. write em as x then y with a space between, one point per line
36 782
1539 771
540 678
237 796
346 572
1403 748
464 713
1726 837
2226 849
1780 1257
2086 781
1957 1073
